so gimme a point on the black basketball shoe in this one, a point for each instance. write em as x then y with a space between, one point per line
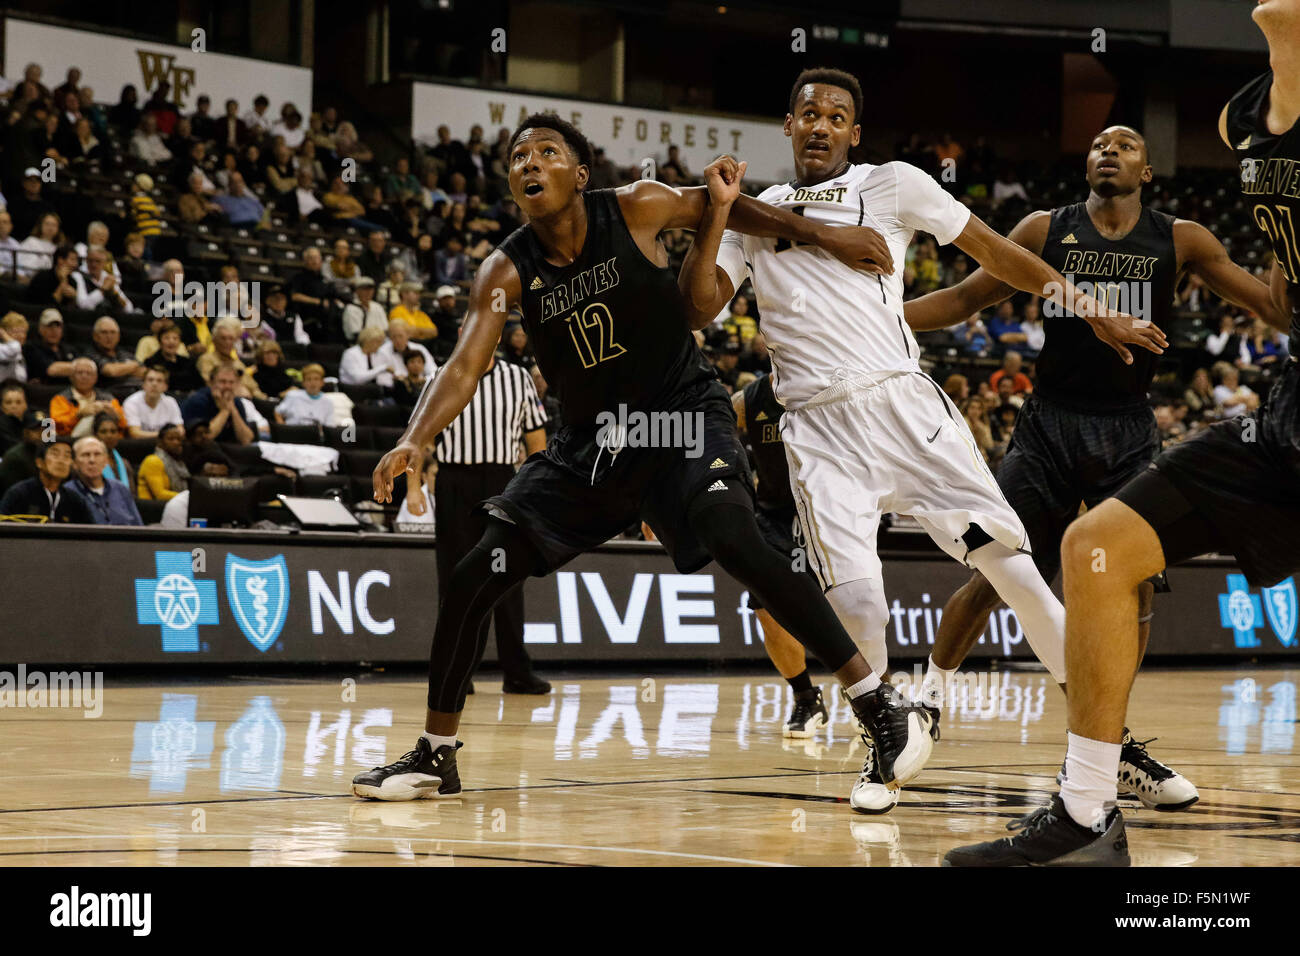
1049 837
900 731
423 773
808 715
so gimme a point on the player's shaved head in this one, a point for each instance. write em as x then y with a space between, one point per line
829 77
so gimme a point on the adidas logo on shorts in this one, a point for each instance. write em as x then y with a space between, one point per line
718 463
718 485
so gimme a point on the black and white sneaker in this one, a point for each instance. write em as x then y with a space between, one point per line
808 715
934 719
1157 786
869 794
899 729
1049 837
423 773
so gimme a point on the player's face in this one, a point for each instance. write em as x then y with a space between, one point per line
822 129
544 173
1117 163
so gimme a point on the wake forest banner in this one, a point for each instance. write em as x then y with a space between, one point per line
628 135
108 63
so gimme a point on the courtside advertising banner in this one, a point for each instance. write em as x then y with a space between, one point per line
153 597
109 63
628 135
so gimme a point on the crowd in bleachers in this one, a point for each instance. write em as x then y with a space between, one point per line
193 294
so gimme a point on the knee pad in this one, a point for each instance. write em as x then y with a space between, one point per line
860 606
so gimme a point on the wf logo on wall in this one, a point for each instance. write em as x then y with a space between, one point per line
1244 612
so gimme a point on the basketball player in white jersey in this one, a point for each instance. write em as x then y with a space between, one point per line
865 430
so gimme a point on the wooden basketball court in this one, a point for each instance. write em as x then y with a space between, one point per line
663 770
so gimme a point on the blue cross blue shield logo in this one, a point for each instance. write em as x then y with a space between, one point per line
1280 608
258 593
175 602
1240 610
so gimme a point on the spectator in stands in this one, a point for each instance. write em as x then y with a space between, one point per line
302 205
318 136
306 158
277 313
74 409
976 412
8 247
228 417
282 173
432 194
1005 327
1229 343
13 408
146 143
232 132
673 171
409 311
289 127
69 85
84 146
97 288
392 353
258 120
149 409
341 267
195 206
29 205
1168 425
1199 395
202 122
225 339
241 207
424 523
973 335
116 365
110 501
400 184
1011 369
445 315
163 475
36 252
145 212
46 141
374 261
603 173
926 272
450 264
315 300
148 345
46 494
365 312
450 154
13 339
49 359
55 285
203 456
726 368
388 294
93 112
1032 326
164 112
266 378
740 322
132 266
1194 296
514 346
344 208
19 462
360 365
182 371
957 388
347 146
308 405
1233 397
406 390
126 114
229 164
756 360
97 234
1006 186
1265 346
376 213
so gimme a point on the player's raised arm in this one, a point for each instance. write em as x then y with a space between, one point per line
1203 254
706 286
496 289
650 207
1020 268
979 290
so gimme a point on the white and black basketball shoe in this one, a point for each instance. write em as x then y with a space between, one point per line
900 731
808 715
869 794
1157 786
421 774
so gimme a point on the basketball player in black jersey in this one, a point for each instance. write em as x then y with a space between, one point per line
1232 488
1086 430
611 335
758 416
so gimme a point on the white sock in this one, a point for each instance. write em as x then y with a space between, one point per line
934 686
435 741
1017 581
1089 789
864 686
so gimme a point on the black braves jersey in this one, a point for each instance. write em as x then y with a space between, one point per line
1137 275
763 425
610 329
1270 179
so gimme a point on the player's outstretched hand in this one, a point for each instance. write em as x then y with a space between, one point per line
406 457
858 246
723 177
1117 329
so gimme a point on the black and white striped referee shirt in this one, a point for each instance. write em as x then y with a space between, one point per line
489 430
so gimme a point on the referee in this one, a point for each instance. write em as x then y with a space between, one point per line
477 454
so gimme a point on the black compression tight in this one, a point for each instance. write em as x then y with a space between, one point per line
730 533
502 558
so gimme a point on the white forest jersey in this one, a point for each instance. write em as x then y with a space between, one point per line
823 320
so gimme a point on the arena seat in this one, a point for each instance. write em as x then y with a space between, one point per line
392 416
296 434
135 450
325 486
151 511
